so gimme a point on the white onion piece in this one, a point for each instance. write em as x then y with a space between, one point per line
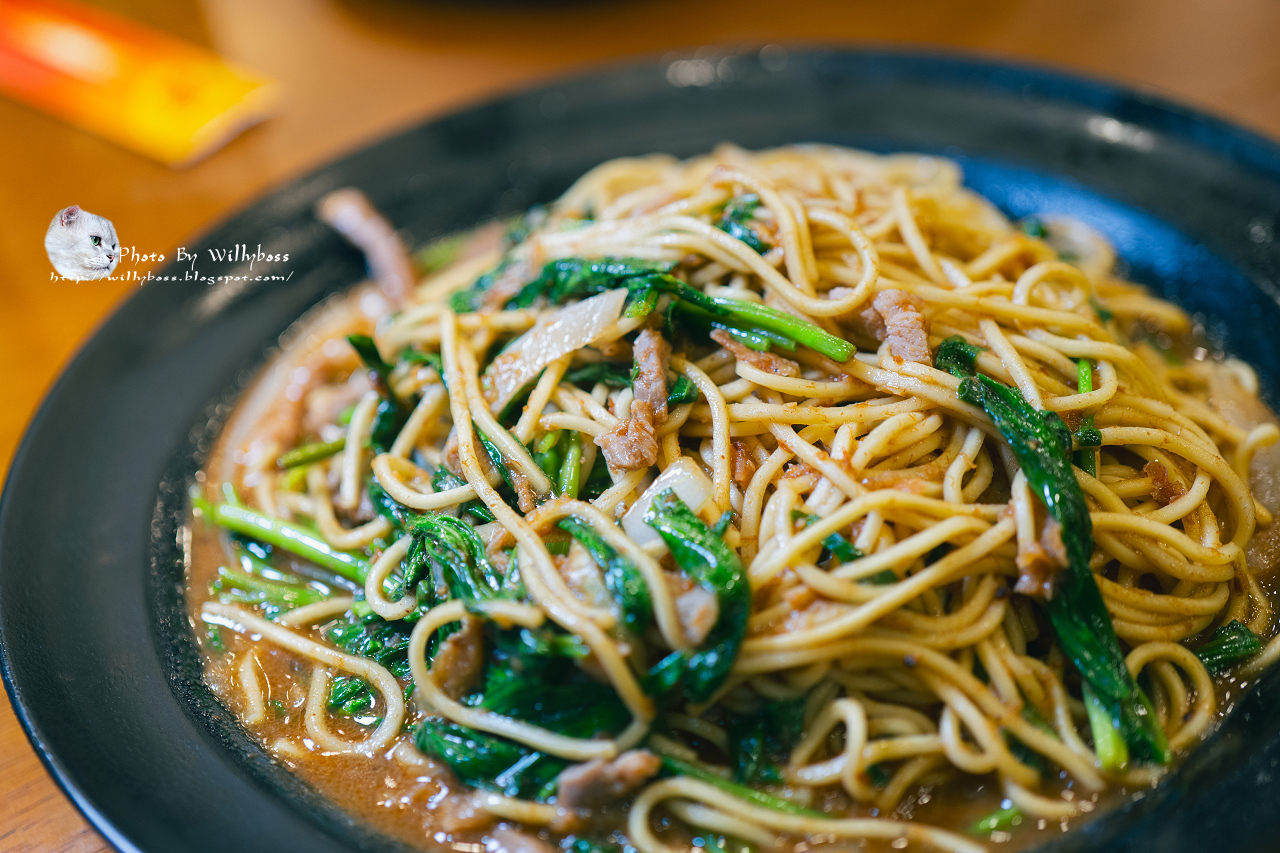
689 483
567 330
1092 252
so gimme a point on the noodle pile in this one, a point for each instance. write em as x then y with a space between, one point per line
898 558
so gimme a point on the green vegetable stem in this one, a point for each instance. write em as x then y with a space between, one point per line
1230 644
694 770
292 538
309 453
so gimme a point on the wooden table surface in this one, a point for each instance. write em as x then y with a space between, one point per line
356 70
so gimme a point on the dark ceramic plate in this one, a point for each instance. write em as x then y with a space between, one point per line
97 651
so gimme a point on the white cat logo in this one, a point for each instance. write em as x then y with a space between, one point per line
82 245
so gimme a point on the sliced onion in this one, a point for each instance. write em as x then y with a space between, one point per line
561 332
1091 252
689 483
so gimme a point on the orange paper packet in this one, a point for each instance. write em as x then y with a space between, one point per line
143 89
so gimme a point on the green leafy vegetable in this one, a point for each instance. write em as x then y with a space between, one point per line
472 298
390 416
640 303
1041 443
598 480
367 636
1088 437
542 642
760 743
499 461
368 352
880 775
350 695
956 356
722 524
612 375
1032 226
548 441
665 675
1020 750
388 419
442 480
449 548
570 278
734 222
511 410
294 479
714 566
1000 820
621 577
274 595
257 554
755 339
680 767
533 675
842 548
834 544
389 508
1230 644
431 359
486 761
373 637
682 391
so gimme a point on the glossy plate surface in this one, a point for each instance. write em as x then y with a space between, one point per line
97 652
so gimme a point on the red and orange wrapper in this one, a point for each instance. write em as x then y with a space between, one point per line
140 88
